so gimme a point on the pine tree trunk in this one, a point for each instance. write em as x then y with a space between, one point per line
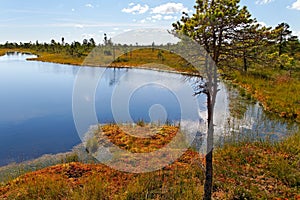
208 186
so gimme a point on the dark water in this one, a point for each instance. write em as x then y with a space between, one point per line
36 115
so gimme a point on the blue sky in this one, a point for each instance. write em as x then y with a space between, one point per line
24 21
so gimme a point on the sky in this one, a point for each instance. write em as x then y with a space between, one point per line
43 20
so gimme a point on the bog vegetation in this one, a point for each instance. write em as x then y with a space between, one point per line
263 61
243 170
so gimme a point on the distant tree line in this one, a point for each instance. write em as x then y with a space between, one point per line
81 49
74 49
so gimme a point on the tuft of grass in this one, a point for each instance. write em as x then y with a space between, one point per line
140 123
138 139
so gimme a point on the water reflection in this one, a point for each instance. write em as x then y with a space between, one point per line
36 106
127 96
53 69
246 119
16 56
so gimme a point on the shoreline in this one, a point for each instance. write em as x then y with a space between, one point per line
121 67
40 58
255 93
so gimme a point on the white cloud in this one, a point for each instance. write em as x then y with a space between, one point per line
170 17
136 9
169 8
296 33
79 26
87 35
295 5
157 17
73 10
261 2
89 5
112 33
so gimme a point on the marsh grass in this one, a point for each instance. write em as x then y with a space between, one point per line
276 90
3 52
243 170
259 170
12 171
